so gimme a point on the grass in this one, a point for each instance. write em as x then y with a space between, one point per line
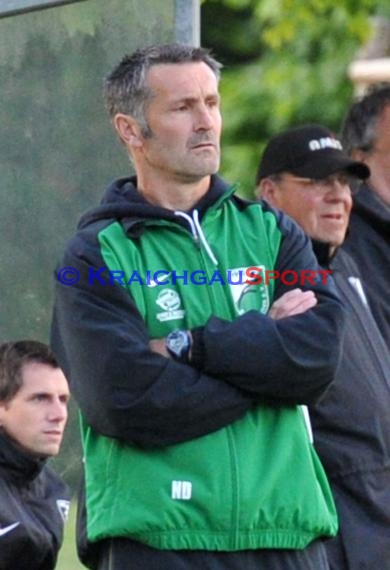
67 559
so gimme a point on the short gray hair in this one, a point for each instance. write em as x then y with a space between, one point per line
359 127
126 89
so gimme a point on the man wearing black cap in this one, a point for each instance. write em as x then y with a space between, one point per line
305 172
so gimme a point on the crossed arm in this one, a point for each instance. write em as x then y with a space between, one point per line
290 303
127 389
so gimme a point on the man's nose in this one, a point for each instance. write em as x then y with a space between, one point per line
204 118
58 411
339 185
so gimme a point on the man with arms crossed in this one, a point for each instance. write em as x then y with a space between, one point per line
305 172
34 501
196 450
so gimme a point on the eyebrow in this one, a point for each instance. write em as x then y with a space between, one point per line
191 99
48 395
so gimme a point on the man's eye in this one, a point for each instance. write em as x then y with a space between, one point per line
40 397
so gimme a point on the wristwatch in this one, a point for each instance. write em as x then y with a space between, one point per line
178 345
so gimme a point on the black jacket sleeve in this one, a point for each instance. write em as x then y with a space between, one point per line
291 360
123 389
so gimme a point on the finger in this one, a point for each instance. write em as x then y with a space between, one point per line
292 303
294 298
303 306
301 300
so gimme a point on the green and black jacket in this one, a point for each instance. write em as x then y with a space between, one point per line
214 455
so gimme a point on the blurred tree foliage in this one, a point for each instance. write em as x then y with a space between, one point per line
58 150
285 63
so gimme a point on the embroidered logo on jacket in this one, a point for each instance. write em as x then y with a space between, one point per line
7 529
247 296
63 507
169 300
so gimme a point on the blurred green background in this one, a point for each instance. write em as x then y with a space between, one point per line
67 559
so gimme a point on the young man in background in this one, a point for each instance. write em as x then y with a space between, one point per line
34 502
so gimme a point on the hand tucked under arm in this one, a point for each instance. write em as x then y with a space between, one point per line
158 345
125 390
293 302
290 360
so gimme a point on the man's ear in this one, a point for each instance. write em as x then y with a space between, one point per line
267 190
359 155
128 130
2 409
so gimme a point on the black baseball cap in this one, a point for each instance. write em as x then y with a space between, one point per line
310 151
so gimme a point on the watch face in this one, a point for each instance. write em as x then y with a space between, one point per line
177 344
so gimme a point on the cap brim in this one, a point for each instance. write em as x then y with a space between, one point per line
323 165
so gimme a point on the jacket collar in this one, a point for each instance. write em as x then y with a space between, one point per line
123 202
370 207
15 464
322 252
